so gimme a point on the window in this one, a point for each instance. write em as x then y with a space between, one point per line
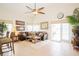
29 28
9 27
36 27
32 27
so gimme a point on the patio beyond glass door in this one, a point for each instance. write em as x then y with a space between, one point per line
66 32
61 32
56 31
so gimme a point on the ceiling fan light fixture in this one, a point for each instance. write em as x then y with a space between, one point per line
35 12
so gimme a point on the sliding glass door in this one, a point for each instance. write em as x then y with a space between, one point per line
61 32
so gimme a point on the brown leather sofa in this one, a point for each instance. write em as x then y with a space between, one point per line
28 35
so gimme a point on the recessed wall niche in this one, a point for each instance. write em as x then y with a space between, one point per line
20 25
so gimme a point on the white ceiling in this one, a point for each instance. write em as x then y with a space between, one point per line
17 10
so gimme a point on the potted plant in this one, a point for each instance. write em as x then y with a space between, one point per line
3 28
74 21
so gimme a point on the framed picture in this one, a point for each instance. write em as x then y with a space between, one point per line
44 25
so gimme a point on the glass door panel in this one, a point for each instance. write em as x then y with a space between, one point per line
61 32
66 32
56 30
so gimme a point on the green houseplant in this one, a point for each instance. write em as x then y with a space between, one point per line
3 28
74 19
74 22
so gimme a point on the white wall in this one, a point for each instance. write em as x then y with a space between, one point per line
12 12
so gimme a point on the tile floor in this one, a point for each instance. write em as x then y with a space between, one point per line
43 48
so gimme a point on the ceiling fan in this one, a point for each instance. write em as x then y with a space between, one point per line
35 10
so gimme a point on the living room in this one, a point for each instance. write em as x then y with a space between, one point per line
40 28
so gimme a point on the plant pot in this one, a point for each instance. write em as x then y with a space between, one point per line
75 29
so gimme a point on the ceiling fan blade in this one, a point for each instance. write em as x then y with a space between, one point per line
41 8
29 8
41 12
